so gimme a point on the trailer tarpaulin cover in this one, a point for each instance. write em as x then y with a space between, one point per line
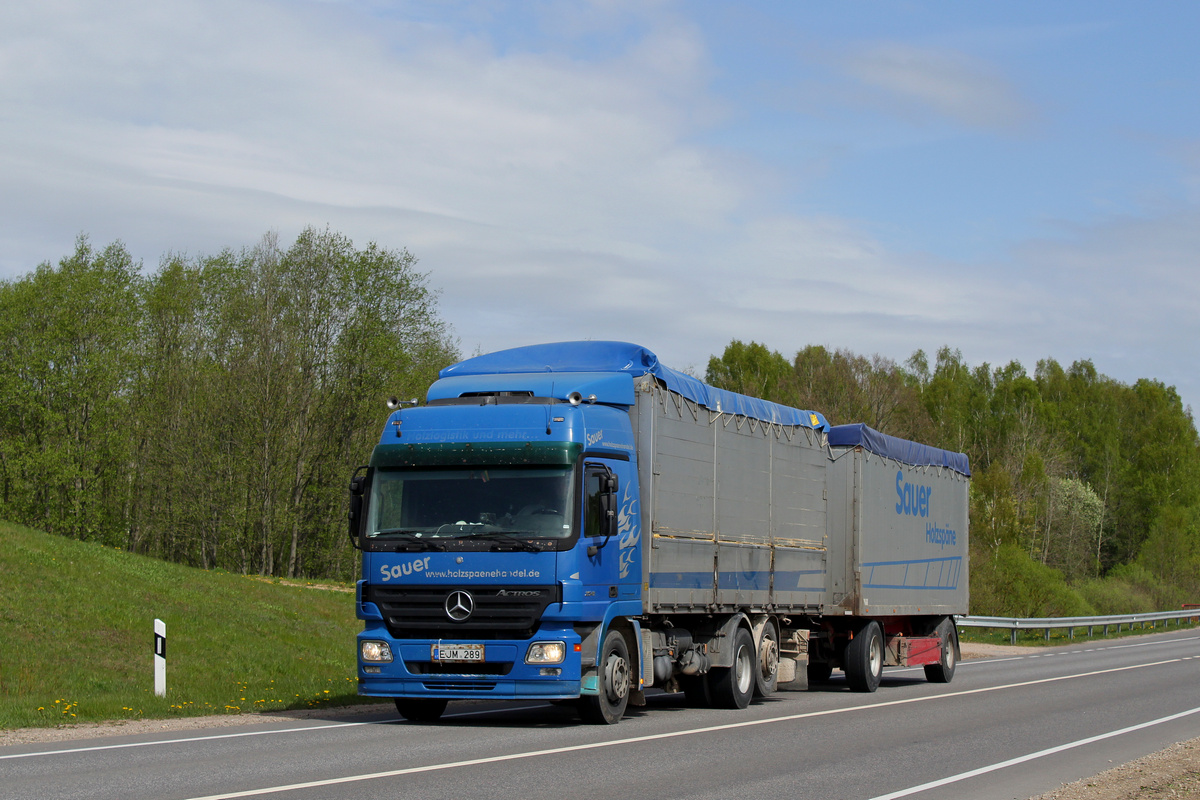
603 356
902 450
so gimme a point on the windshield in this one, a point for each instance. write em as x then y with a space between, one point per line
458 504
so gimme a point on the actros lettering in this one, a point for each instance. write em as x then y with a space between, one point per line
914 498
417 565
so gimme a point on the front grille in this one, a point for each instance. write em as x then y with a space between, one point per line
500 612
458 686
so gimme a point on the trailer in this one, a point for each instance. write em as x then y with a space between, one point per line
577 522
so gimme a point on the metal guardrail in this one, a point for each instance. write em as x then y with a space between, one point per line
1071 623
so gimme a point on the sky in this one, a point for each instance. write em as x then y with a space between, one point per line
1018 181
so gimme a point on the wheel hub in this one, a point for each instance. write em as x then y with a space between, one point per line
616 678
768 653
744 665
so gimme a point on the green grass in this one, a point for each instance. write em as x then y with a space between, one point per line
77 633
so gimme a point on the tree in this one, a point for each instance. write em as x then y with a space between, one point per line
296 351
849 388
1171 552
751 369
1072 528
211 412
67 362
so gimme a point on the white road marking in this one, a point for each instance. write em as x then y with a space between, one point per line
208 738
962 776
217 736
660 736
506 709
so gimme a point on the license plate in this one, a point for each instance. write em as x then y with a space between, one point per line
457 652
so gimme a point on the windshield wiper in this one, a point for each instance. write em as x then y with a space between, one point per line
419 546
396 532
501 542
412 543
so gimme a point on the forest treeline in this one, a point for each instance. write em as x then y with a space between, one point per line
211 412
1085 492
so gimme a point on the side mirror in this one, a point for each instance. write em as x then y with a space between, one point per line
610 505
358 489
607 498
608 512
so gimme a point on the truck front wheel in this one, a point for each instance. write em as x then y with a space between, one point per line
864 658
615 678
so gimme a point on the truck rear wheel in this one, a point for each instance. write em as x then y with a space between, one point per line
615 679
766 678
864 658
943 671
420 709
732 687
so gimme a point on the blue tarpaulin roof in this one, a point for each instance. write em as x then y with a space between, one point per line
604 356
902 450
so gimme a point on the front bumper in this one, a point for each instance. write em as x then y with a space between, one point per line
503 673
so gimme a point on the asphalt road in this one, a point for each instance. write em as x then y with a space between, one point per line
1005 728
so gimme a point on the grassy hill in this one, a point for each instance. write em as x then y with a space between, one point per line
76 637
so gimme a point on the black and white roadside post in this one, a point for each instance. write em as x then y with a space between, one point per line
160 658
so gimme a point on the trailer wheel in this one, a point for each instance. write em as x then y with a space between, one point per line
864 658
420 709
615 678
943 671
766 678
732 687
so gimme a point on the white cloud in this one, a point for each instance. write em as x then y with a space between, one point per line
255 97
551 195
914 81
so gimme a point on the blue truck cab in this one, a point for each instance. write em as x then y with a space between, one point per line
500 535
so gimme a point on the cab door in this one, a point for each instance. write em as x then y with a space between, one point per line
611 530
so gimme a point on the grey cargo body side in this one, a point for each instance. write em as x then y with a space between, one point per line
741 514
904 558
733 509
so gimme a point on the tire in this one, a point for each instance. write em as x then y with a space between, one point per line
943 671
766 678
420 709
819 671
732 687
615 679
863 662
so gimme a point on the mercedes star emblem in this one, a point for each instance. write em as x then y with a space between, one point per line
459 605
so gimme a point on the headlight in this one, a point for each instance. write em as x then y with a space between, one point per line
376 651
546 653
